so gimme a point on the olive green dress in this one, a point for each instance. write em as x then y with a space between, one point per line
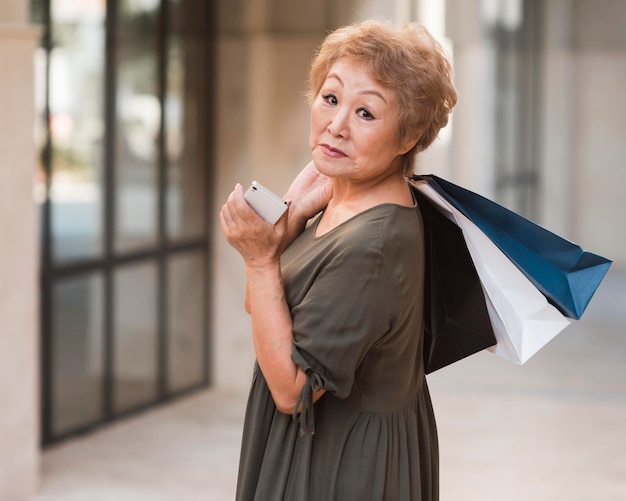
356 296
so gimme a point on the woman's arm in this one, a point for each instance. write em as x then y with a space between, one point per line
260 244
272 333
308 194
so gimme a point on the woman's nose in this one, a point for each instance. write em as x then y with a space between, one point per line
339 126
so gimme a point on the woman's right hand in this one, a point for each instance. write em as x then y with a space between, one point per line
260 243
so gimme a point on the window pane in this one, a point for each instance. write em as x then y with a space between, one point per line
76 127
77 353
135 336
185 118
186 332
138 118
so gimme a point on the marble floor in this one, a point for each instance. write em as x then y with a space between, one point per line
550 430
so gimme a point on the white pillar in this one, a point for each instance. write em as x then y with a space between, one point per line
19 356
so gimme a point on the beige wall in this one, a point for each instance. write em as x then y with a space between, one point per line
19 360
599 115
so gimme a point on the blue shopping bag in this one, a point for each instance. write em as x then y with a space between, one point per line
566 275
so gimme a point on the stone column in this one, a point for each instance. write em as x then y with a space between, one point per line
19 357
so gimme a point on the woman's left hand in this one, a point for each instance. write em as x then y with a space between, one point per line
260 243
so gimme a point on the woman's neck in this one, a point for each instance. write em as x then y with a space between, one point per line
351 198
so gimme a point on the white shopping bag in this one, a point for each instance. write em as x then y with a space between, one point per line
522 319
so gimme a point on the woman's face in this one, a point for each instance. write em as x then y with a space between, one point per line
354 124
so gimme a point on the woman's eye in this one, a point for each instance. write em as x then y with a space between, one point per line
365 113
330 98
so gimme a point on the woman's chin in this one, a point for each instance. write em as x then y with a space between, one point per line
329 166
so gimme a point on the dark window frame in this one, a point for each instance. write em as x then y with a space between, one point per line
110 261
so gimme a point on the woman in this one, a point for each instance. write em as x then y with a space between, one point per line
339 408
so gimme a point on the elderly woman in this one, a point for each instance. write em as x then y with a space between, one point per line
339 407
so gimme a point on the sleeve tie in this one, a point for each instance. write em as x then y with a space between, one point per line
314 382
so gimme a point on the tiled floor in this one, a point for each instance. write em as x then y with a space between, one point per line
184 451
551 430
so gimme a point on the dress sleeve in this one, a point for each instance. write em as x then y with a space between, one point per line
345 311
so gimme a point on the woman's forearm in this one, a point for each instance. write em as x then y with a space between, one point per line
272 331
261 245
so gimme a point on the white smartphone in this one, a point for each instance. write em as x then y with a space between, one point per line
265 203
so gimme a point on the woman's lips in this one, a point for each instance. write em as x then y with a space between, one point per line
332 152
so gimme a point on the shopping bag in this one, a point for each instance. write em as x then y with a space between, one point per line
456 320
560 269
523 320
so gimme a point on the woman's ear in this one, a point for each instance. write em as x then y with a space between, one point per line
409 142
408 146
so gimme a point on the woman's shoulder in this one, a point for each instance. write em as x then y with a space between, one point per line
374 231
386 221
379 228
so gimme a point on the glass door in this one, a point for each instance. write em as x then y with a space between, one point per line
125 130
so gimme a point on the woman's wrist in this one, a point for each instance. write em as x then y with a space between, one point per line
296 221
265 288
296 216
263 264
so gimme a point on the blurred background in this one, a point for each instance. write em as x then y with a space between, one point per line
125 124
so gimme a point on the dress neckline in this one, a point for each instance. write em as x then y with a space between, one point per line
383 205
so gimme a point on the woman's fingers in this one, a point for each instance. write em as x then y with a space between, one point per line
247 232
239 208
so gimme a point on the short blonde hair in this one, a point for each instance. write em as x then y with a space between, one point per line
406 59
